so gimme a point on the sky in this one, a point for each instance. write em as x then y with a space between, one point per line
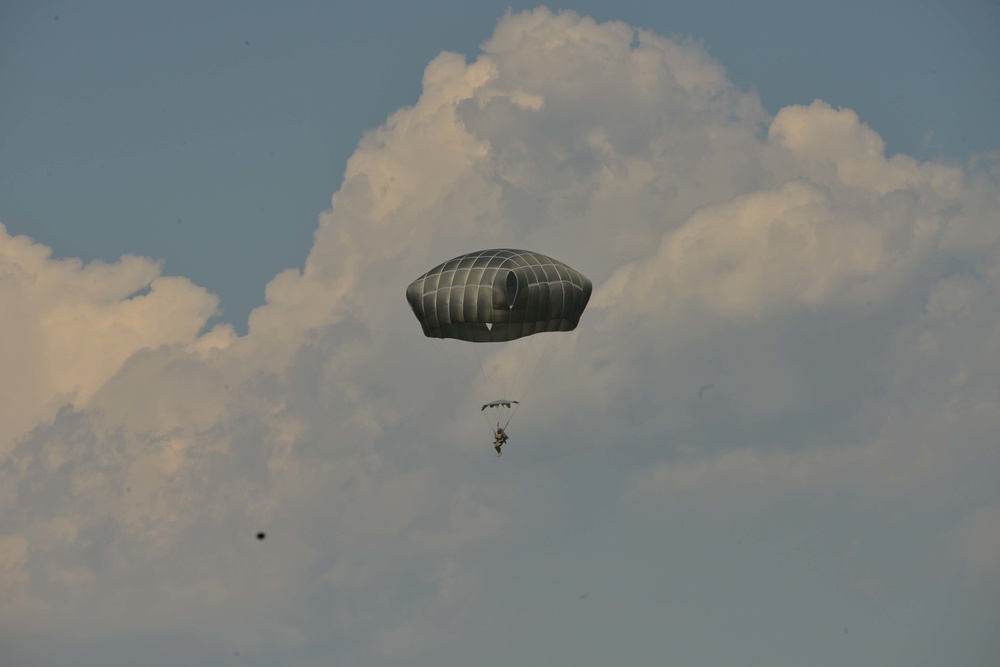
773 439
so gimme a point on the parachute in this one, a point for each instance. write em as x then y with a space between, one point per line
497 404
495 296
499 296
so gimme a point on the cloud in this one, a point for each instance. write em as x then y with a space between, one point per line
977 543
861 577
69 327
918 459
864 246
841 303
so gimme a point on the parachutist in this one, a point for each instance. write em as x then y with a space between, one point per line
499 440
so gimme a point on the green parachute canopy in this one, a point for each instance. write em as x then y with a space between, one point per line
499 295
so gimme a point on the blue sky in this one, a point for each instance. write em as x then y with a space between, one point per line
210 215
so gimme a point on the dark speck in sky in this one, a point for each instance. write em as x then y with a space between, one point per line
585 596
261 536
55 18
704 388
246 42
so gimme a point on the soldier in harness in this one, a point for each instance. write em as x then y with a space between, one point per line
499 436
499 439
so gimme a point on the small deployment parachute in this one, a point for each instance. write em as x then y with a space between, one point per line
502 296
499 415
497 404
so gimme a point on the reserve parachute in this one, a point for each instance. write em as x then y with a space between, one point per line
505 297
